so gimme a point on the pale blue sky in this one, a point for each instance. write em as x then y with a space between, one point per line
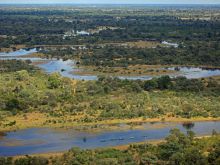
113 1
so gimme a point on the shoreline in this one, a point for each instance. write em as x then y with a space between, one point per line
93 126
132 71
119 147
153 142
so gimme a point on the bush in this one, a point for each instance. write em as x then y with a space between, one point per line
54 81
31 161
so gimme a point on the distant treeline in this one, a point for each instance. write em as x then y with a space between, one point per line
47 27
195 54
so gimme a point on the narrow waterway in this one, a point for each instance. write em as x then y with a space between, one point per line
68 67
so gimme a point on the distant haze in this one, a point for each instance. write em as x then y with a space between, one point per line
110 1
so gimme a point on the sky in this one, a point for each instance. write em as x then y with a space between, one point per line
110 1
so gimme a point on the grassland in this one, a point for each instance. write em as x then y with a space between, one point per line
36 120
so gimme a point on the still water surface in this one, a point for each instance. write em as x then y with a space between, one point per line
67 68
42 140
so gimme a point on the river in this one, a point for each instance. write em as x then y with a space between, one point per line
43 140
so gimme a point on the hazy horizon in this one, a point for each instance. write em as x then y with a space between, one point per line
110 2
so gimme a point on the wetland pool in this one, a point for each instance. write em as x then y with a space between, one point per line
68 68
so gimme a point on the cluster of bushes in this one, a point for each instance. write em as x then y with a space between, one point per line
15 65
108 84
133 100
178 149
22 91
182 84
27 160
177 84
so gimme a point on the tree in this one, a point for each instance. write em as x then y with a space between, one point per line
54 80
22 75
177 159
148 159
136 87
192 156
214 155
164 82
175 142
28 160
12 104
5 161
151 84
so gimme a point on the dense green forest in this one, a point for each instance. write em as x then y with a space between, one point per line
178 149
198 35
207 54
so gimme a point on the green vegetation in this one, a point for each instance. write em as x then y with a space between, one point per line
199 53
15 65
111 29
108 98
123 40
178 149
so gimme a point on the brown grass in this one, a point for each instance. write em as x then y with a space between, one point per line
36 119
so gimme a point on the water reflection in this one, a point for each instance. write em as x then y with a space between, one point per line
20 52
68 68
40 140
188 125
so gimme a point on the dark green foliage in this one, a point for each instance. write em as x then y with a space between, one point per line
184 84
197 54
164 82
193 156
5 161
54 81
28 160
198 39
150 85
15 65
12 104
97 157
148 158
214 156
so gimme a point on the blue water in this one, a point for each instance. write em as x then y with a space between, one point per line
17 53
54 65
68 66
42 140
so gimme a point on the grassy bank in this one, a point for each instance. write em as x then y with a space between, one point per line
36 119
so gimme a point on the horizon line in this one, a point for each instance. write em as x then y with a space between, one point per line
110 3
